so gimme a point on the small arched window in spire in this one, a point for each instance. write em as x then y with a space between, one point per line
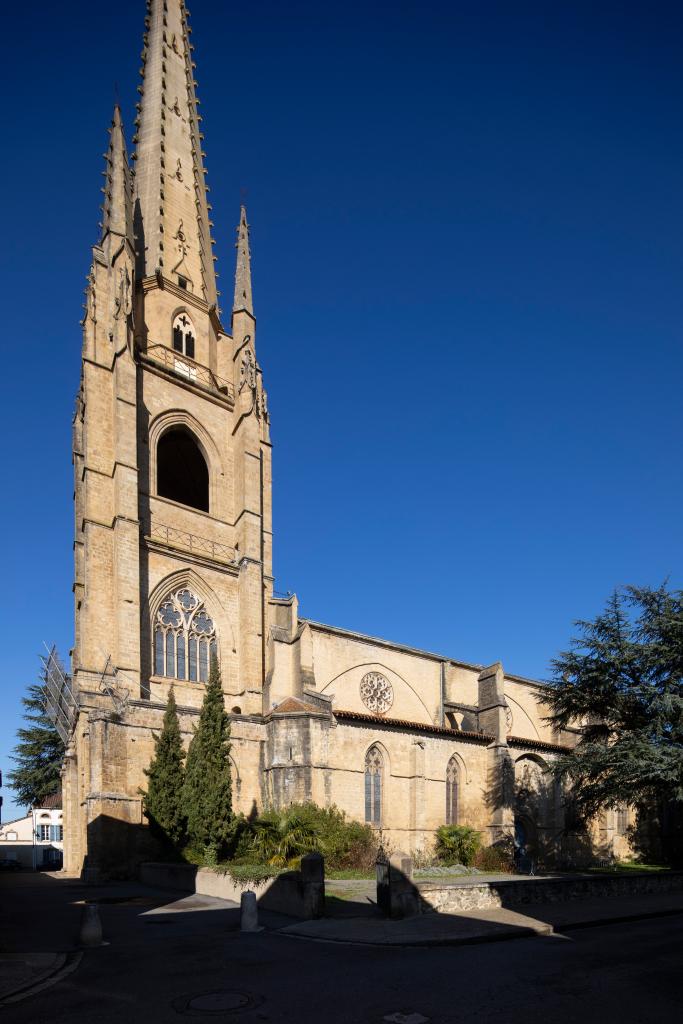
184 638
183 335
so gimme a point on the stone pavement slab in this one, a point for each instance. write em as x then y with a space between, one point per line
486 925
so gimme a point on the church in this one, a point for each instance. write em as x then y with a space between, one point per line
172 456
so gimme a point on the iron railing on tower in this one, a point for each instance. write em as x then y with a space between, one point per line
189 370
185 541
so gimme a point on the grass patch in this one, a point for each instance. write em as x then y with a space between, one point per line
350 874
619 867
336 898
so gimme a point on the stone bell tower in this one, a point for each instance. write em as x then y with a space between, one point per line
171 451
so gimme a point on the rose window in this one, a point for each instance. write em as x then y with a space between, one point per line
376 692
184 638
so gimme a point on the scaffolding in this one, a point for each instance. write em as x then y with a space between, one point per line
109 683
61 703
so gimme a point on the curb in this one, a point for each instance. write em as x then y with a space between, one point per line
545 931
67 965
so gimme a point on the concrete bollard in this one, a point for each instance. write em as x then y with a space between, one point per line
249 912
91 926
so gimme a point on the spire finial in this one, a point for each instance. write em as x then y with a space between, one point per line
170 184
243 300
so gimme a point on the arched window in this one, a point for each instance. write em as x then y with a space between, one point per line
184 638
373 786
182 472
452 779
183 335
622 817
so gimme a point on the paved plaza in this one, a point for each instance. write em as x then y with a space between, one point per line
170 956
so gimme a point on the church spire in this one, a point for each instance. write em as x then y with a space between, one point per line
243 300
172 213
117 208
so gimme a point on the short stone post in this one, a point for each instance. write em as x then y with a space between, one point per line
313 882
249 912
404 897
383 887
91 926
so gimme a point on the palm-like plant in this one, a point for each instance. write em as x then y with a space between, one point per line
281 838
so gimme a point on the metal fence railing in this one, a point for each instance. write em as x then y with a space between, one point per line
174 537
189 370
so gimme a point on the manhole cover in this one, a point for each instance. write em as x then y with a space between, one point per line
208 1003
406 1018
215 1002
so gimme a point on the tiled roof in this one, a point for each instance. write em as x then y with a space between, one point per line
402 723
558 748
295 706
51 803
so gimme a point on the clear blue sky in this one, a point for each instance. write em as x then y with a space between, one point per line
466 233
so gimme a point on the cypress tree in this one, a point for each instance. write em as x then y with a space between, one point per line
163 801
208 788
38 754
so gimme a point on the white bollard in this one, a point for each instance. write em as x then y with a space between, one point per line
249 912
91 926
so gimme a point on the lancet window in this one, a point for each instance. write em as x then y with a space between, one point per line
184 638
374 768
183 335
452 780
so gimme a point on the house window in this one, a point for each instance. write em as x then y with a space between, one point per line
373 786
452 779
183 335
12 837
182 472
184 638
622 820
44 833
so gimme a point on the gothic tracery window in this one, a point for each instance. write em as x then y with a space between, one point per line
373 786
452 779
184 638
183 335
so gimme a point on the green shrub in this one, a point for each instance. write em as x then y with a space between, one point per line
281 838
496 859
248 874
457 844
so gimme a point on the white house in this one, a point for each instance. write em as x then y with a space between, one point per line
36 840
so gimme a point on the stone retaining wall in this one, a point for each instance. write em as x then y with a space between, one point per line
295 893
453 897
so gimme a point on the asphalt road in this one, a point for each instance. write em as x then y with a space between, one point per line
158 961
